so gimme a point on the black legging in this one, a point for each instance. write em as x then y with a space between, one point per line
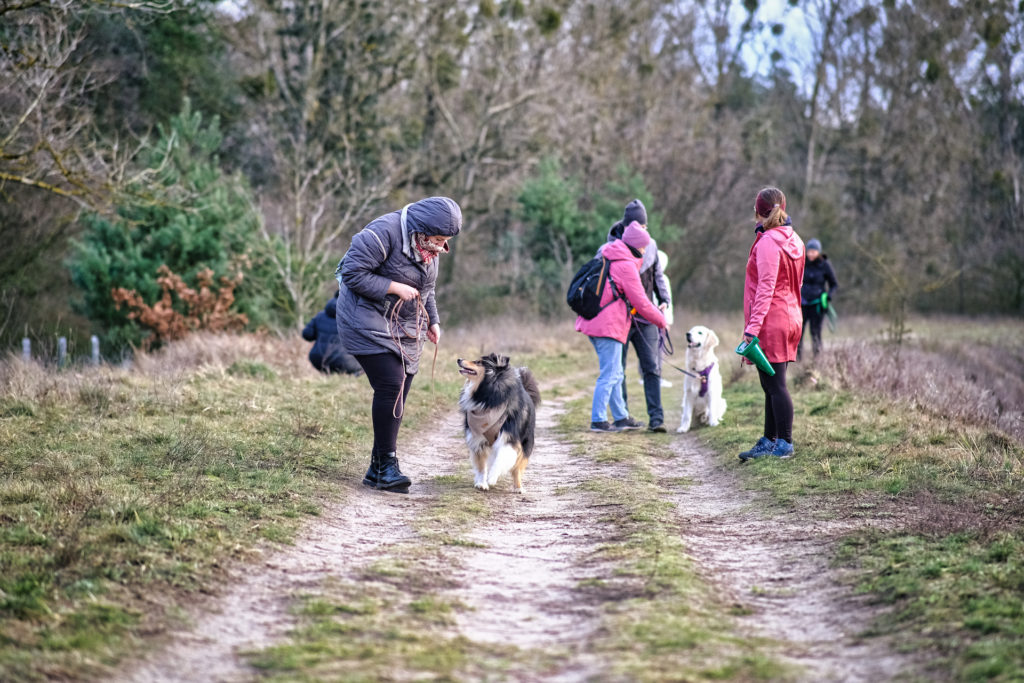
778 406
387 376
812 316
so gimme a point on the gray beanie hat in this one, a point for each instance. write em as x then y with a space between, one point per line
635 211
814 244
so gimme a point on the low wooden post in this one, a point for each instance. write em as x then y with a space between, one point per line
62 351
26 349
95 349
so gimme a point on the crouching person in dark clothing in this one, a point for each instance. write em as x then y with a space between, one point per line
328 354
818 290
385 307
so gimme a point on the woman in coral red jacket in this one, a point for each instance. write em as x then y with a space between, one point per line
609 329
771 308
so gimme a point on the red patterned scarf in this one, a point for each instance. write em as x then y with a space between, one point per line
428 250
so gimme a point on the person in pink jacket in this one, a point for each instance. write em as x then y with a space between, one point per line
609 329
771 309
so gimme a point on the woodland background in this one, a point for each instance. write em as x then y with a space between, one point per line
241 144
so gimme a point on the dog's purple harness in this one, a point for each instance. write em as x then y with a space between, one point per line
704 380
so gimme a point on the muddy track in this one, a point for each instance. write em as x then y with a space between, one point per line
776 565
254 611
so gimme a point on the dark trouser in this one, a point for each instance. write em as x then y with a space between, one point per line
778 406
335 363
813 315
387 376
645 340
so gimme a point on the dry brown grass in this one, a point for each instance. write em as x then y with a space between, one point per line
961 376
205 350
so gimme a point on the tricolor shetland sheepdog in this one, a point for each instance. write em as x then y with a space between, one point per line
499 405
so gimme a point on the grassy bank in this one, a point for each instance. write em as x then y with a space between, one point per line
125 493
942 483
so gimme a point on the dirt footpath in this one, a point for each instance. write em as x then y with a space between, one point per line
777 566
535 548
518 573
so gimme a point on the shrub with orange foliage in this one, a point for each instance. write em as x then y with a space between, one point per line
204 309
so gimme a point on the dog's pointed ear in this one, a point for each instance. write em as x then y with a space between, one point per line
712 340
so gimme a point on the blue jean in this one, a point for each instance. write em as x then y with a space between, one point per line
608 389
645 338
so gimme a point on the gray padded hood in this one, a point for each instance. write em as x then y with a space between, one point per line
433 216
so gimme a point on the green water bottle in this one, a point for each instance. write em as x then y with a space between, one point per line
752 351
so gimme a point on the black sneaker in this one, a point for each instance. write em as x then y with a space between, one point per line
603 426
627 424
658 427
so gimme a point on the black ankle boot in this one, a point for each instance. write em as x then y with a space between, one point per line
389 477
370 478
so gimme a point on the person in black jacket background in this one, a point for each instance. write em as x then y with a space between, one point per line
819 278
328 354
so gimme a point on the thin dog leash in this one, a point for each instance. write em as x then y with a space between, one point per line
398 333
665 347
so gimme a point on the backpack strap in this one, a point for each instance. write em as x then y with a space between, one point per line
616 292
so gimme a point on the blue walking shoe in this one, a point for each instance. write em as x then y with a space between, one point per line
783 449
763 447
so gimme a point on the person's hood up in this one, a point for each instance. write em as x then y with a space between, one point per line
650 256
331 309
433 216
615 232
787 239
618 251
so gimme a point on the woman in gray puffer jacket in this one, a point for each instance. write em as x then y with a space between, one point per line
385 307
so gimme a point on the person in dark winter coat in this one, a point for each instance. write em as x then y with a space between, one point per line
643 335
385 307
819 279
328 353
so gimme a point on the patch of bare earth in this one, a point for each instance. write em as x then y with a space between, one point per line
776 564
535 548
254 609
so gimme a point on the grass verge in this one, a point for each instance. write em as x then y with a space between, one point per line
946 493
125 494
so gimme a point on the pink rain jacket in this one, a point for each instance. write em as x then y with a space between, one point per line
771 296
614 321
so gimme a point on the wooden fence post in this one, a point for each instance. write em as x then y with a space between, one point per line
62 351
95 349
26 349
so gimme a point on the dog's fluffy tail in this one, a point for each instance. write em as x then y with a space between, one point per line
530 384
